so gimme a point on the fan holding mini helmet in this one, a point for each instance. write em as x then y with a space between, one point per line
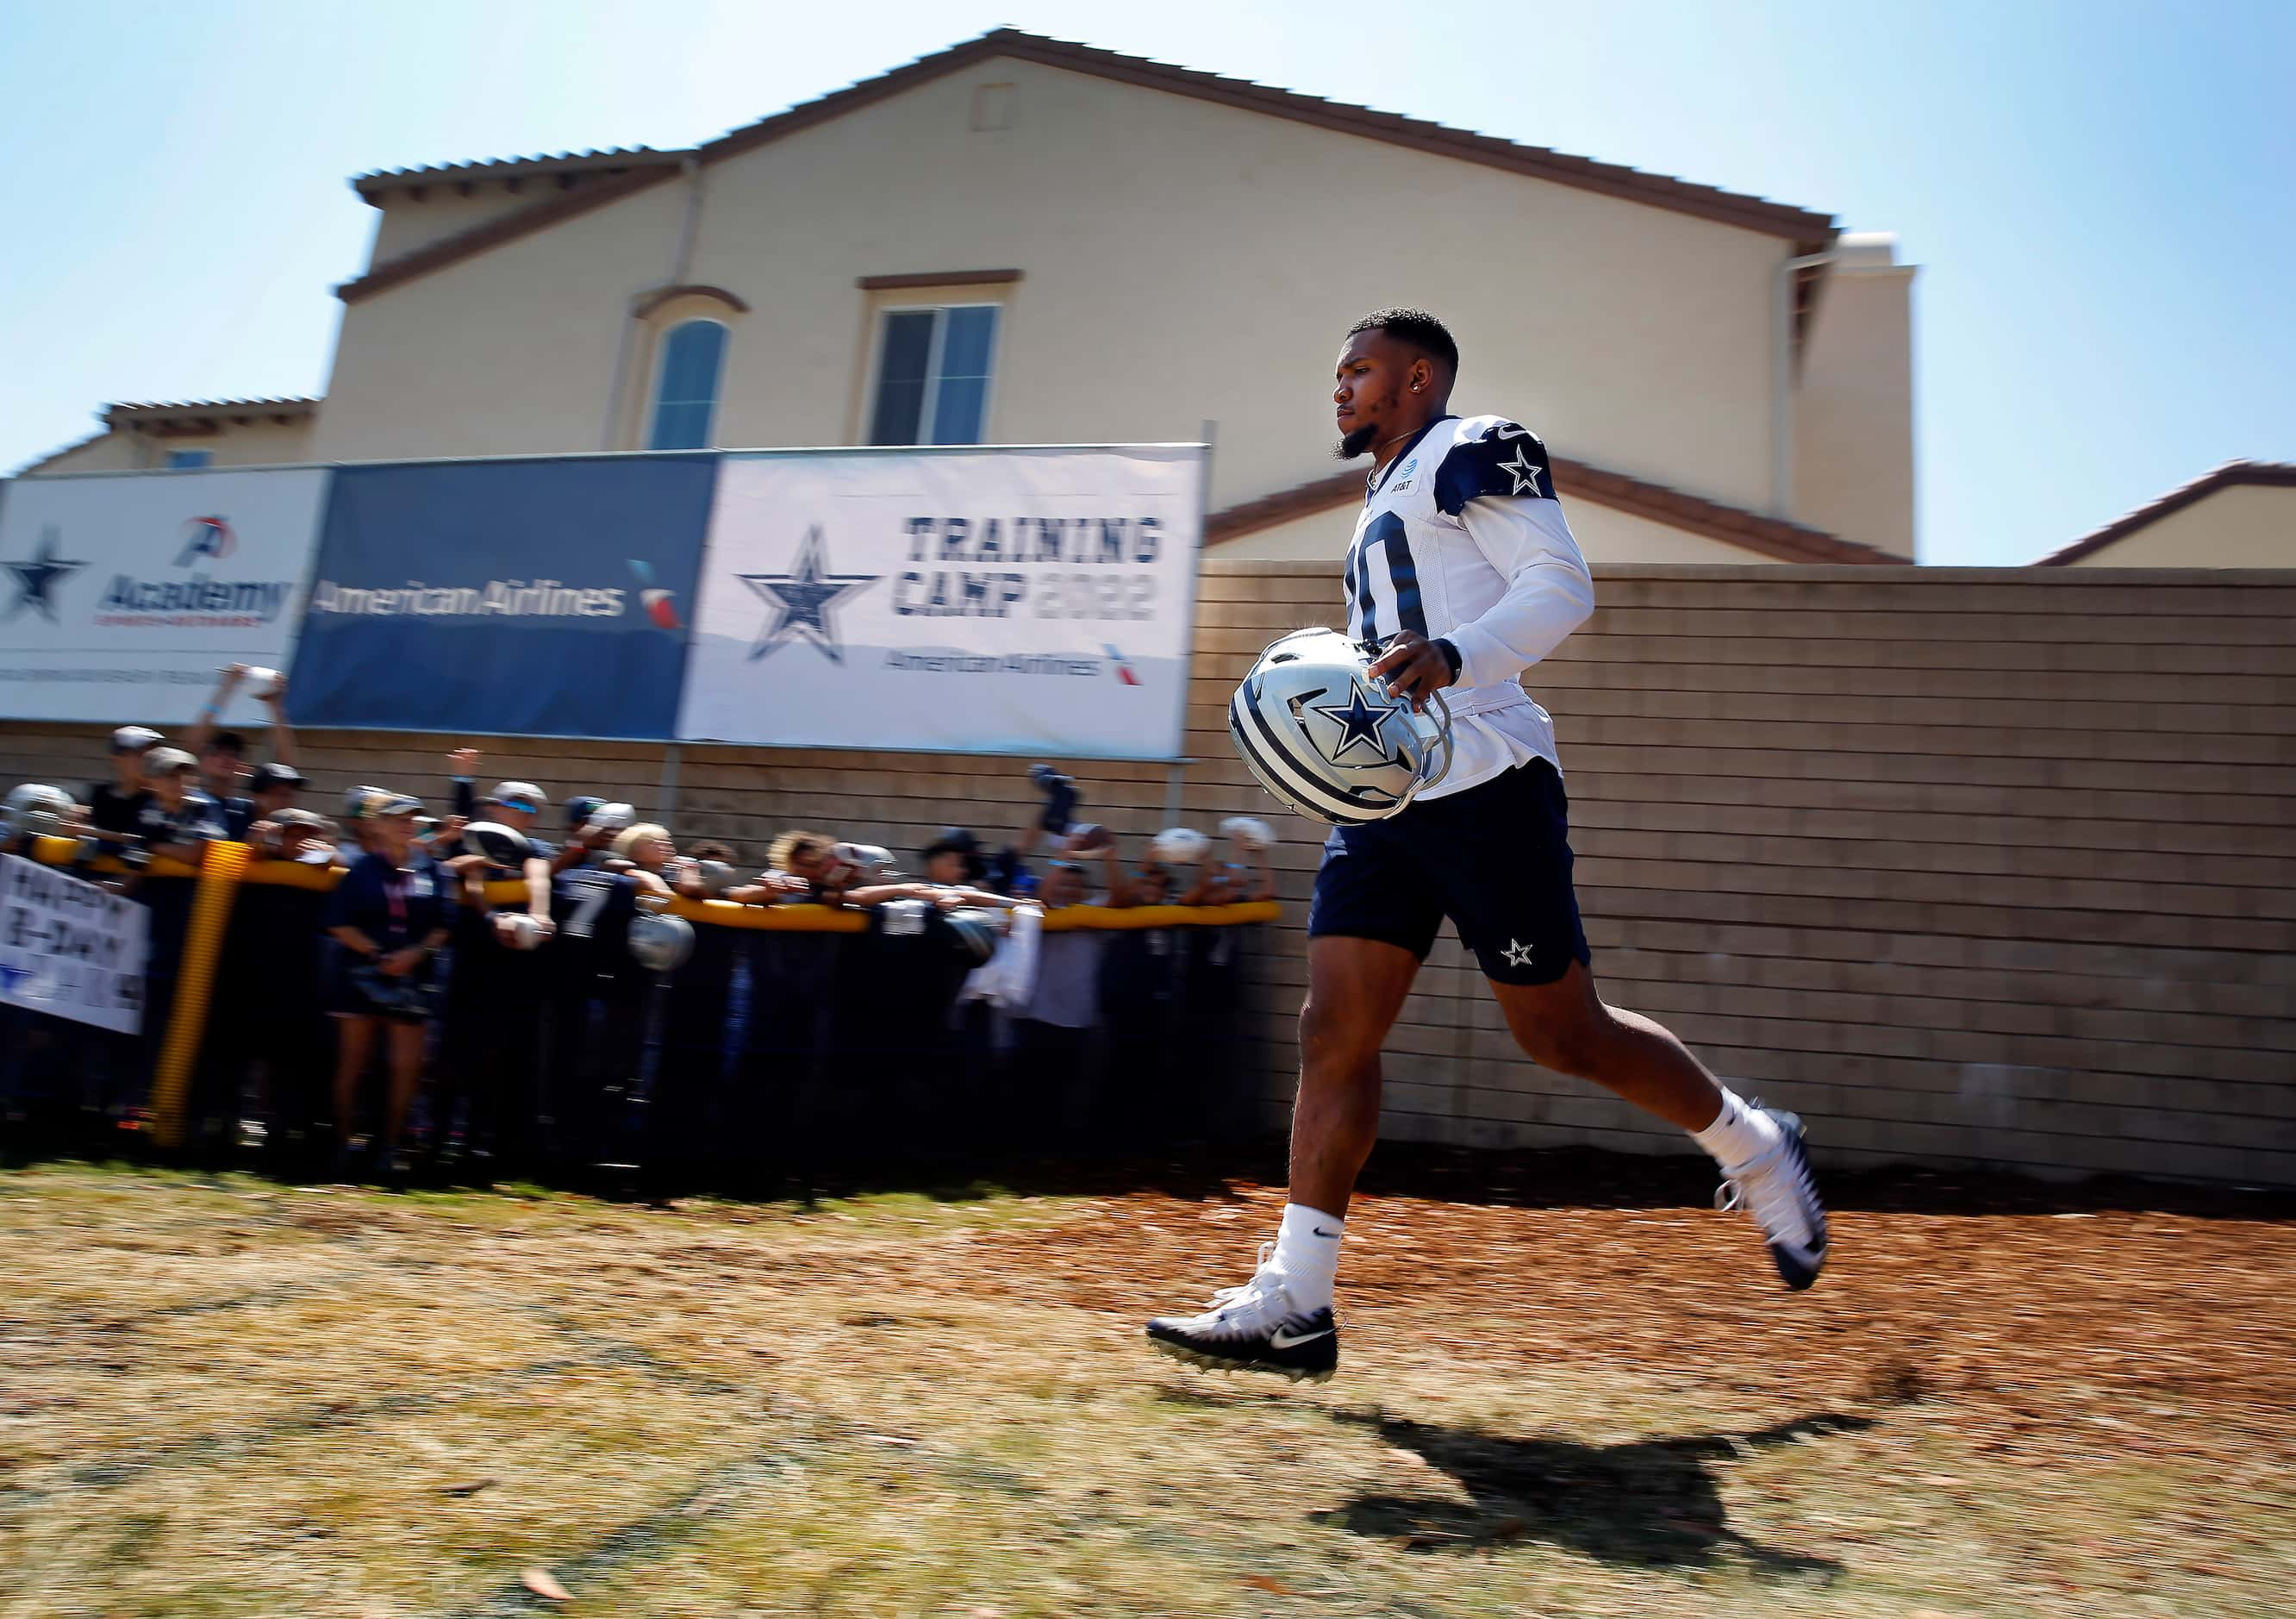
35 810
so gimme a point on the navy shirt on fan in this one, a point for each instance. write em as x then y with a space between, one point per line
199 818
110 809
593 909
394 906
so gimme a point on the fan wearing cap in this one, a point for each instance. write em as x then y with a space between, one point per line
177 819
491 1054
271 788
389 917
1052 1027
598 992
222 754
590 825
117 805
954 858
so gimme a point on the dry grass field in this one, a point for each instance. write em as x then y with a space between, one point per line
1564 1391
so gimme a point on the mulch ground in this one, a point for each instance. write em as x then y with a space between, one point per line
231 1397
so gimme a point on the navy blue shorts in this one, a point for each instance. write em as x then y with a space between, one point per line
1496 859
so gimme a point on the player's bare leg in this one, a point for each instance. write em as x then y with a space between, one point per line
1566 1026
1356 989
1281 1320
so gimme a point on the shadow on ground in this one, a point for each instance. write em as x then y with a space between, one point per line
1652 1504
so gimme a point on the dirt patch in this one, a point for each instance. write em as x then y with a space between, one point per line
229 1397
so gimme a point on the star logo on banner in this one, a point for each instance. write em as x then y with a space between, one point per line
802 598
1517 955
36 576
1361 721
1519 469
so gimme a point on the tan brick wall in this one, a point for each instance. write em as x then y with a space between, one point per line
1968 866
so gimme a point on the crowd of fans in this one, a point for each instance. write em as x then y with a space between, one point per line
500 990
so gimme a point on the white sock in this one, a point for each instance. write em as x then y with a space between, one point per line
1738 1134
1308 1254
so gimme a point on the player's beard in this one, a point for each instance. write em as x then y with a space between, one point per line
1357 443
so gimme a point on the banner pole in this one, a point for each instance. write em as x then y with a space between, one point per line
220 870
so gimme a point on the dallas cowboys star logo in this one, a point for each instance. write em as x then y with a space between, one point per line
1517 955
801 599
1521 470
1361 722
36 576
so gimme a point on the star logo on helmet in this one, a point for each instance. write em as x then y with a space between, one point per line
1362 722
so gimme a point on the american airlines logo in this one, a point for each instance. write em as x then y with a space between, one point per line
497 598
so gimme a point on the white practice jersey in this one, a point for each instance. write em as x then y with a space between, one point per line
1462 539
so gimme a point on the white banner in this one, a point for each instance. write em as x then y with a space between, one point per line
69 948
1004 601
122 595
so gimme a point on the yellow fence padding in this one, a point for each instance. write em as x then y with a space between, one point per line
187 1021
224 867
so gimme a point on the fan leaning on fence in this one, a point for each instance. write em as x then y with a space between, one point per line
1462 574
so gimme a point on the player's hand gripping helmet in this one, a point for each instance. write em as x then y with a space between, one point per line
1329 740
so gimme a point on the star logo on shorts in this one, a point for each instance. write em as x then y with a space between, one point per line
1517 955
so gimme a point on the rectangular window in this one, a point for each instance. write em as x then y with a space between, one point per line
184 460
685 399
933 367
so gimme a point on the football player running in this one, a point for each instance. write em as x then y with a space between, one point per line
1465 572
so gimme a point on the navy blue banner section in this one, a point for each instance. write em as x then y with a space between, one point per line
541 598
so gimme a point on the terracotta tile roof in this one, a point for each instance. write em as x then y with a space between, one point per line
2273 473
488 171
1807 231
1788 542
134 415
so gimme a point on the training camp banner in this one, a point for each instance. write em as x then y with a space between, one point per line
539 598
120 596
69 948
1029 601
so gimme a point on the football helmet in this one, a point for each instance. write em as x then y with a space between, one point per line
1248 831
716 877
499 843
519 930
1178 846
973 932
35 810
660 943
1327 738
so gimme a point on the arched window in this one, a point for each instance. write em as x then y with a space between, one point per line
685 396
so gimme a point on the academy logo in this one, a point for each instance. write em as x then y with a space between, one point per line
207 536
199 602
658 605
37 578
802 599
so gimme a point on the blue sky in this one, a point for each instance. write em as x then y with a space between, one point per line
2098 195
